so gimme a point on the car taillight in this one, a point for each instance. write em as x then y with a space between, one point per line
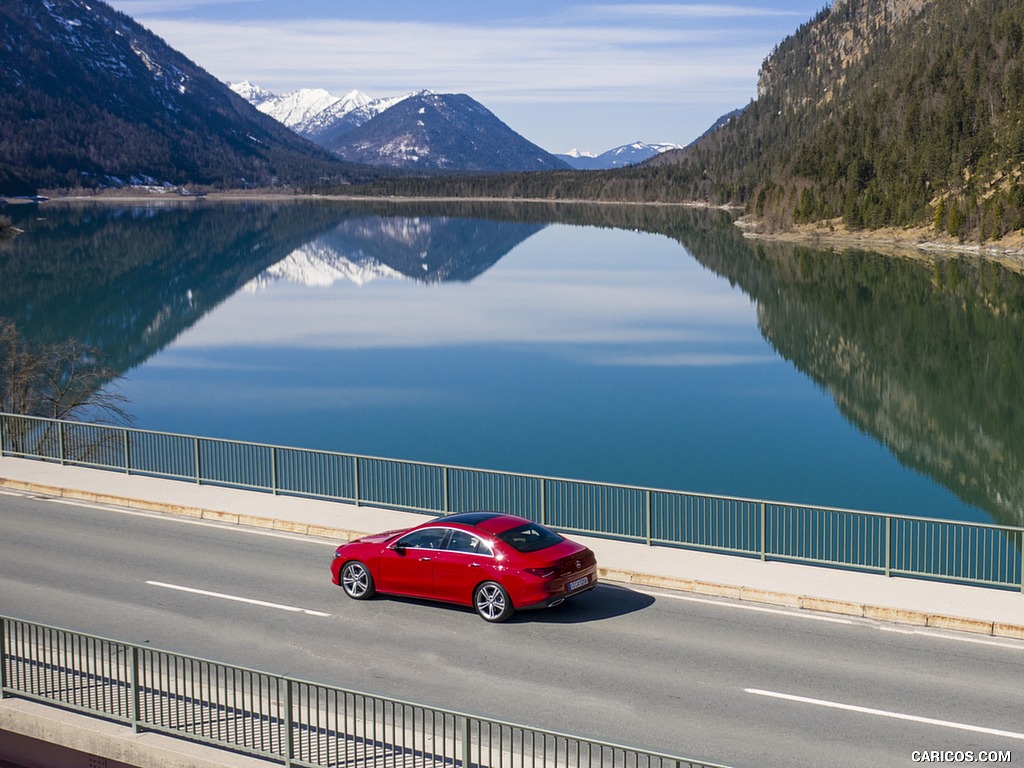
541 573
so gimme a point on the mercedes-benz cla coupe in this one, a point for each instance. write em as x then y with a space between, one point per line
493 562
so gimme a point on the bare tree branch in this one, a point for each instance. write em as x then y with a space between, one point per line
66 380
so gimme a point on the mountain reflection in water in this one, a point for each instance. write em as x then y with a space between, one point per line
925 356
427 249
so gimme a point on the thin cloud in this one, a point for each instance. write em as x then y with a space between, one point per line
503 65
684 360
688 11
590 76
141 8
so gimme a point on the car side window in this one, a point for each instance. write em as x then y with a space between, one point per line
463 541
427 538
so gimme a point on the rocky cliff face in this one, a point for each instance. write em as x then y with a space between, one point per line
837 40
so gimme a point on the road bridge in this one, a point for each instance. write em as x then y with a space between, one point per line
732 680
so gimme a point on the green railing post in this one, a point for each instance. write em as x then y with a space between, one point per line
543 501
355 475
3 658
273 469
464 739
127 451
888 545
198 464
445 502
60 442
136 697
288 741
764 531
3 435
649 517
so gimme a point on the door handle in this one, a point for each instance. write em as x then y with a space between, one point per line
424 559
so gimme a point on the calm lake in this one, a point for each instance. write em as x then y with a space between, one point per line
641 345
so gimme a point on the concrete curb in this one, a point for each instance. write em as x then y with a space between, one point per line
749 594
821 605
42 732
199 513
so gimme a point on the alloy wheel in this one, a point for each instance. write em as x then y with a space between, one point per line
356 580
492 603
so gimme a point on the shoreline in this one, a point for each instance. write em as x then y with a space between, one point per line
137 197
916 243
920 242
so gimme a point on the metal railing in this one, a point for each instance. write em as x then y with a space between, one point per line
896 545
288 721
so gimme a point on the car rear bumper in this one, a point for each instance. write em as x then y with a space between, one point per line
551 600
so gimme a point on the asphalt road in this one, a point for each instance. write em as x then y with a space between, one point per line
724 681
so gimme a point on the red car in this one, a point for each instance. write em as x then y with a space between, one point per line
493 562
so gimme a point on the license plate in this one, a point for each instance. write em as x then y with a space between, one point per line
578 583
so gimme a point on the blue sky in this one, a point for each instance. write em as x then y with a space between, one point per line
586 75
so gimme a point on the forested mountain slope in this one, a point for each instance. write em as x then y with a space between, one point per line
89 98
881 113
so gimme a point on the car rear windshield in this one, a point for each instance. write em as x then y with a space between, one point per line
529 537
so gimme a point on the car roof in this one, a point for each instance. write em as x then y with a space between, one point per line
491 522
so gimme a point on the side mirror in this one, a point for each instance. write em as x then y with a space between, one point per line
399 547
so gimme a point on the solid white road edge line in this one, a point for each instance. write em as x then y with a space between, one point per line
1014 645
191 521
795 613
237 599
884 713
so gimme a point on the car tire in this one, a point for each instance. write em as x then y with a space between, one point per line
357 581
492 602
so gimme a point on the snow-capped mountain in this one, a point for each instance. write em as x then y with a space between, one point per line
435 131
316 113
251 92
576 154
423 130
627 154
309 110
